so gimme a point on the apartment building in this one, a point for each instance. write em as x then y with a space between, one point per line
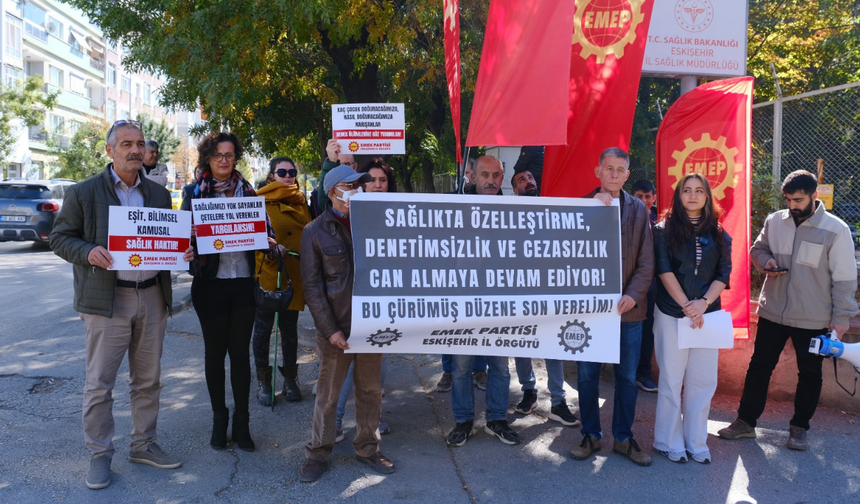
58 42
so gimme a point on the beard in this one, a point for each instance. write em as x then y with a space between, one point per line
802 213
530 190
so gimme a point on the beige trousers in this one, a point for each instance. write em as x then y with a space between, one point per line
137 326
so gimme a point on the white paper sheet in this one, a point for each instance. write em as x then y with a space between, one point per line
715 333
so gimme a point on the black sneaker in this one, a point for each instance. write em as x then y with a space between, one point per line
561 414
528 404
460 433
501 430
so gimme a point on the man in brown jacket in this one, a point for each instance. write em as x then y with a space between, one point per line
637 264
327 274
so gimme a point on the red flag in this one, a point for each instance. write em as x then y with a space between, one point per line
606 62
708 131
521 92
451 28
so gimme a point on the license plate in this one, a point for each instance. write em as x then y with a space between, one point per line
13 218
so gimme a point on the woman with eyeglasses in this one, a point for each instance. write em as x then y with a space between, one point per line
222 293
289 213
693 260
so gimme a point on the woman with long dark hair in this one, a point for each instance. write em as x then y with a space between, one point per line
222 293
693 262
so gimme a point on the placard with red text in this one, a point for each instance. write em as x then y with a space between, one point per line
230 224
369 128
143 238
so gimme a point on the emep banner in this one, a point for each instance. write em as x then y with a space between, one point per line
697 37
486 275
230 224
369 128
142 238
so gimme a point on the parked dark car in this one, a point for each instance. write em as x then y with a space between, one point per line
28 208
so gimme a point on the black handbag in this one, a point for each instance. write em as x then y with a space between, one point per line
276 300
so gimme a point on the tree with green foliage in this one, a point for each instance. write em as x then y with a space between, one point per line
270 71
85 154
26 102
162 133
812 44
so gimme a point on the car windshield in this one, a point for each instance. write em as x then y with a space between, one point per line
22 191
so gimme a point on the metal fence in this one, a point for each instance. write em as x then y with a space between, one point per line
793 133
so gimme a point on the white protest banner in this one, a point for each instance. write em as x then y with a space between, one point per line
697 37
369 128
142 238
486 275
230 224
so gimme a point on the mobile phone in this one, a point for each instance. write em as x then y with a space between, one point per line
776 270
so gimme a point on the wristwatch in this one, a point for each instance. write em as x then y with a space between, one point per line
706 300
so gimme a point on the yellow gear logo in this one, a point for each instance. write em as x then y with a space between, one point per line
604 27
353 146
134 260
218 244
710 158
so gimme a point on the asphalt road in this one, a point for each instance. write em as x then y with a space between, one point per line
43 458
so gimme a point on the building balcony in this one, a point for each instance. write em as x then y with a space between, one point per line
35 31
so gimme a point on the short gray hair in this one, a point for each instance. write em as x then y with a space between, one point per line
111 134
616 152
152 144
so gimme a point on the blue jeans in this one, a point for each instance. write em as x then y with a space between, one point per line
463 392
554 374
624 407
348 386
479 364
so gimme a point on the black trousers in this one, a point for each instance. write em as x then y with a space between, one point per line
226 310
289 336
769 342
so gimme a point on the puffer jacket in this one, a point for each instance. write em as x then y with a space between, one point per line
288 211
637 255
694 280
327 274
82 224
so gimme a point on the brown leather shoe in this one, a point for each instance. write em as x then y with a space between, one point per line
630 449
588 446
378 462
311 470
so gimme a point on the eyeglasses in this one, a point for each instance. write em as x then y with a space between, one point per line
351 163
348 186
219 157
121 123
283 172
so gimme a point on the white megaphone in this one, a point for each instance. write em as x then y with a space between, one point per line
829 346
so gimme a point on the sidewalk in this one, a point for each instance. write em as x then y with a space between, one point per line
44 459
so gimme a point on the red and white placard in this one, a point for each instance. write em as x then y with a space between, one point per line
143 238
369 128
230 224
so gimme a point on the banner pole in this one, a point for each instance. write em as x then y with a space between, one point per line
460 179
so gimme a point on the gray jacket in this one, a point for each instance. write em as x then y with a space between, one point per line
822 274
82 224
158 174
